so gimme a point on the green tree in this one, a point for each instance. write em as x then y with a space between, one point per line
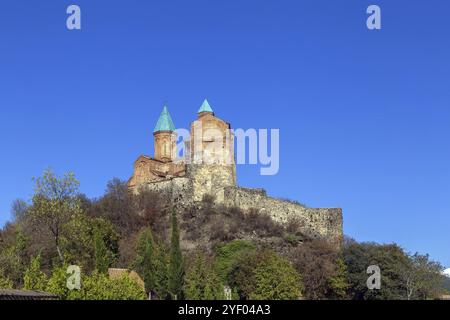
90 242
276 279
101 255
13 256
264 275
34 278
162 261
422 278
228 254
323 275
176 268
5 282
55 202
201 280
57 283
391 259
338 283
145 263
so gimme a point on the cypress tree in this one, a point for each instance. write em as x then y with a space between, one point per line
161 269
145 260
101 256
176 268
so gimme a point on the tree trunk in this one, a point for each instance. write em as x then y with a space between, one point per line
58 249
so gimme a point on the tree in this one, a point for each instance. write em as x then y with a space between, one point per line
55 202
422 277
264 275
201 280
392 261
90 242
145 263
228 254
57 283
119 207
34 278
101 256
19 209
13 258
276 279
176 268
338 282
162 262
323 272
5 282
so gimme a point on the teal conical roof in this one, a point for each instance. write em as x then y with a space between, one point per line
205 107
165 122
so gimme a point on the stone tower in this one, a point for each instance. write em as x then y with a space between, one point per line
211 167
164 138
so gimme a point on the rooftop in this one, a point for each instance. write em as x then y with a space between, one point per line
205 107
165 122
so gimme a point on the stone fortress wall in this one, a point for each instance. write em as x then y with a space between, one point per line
184 192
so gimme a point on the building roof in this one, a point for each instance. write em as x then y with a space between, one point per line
165 122
10 294
205 107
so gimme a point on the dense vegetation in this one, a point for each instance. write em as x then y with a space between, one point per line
189 254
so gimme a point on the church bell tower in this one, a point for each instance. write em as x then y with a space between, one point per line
164 137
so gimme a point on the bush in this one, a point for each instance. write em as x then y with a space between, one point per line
96 286
99 287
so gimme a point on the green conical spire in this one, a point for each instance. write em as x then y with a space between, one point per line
165 122
205 107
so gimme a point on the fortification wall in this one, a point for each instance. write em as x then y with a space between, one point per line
184 192
211 180
316 223
177 190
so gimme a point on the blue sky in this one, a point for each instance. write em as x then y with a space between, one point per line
364 116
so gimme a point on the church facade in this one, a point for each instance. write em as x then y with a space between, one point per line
207 167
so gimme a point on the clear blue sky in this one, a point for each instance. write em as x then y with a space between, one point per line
364 116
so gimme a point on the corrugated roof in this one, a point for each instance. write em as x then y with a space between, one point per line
11 294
